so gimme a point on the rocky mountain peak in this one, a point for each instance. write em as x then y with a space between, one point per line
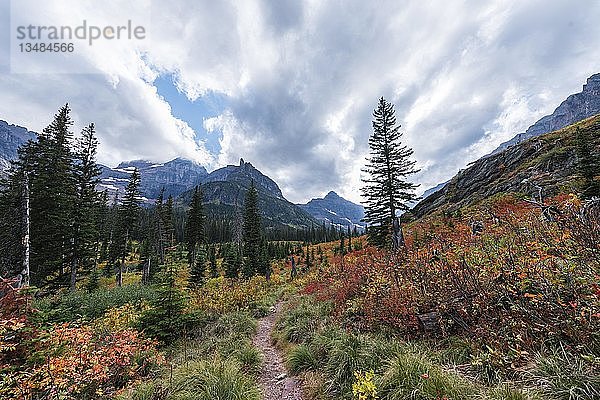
332 196
592 84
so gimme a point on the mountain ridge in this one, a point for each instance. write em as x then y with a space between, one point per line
544 164
576 107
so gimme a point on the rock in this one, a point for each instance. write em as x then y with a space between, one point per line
281 376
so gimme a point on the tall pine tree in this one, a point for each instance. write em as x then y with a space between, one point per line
386 189
195 238
251 234
128 214
87 204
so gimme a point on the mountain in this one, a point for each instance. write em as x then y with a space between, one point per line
244 173
225 189
545 163
176 176
11 137
336 210
576 107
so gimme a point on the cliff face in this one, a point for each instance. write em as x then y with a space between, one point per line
575 108
11 137
546 163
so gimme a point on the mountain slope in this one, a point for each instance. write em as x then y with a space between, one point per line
334 209
11 137
576 107
244 173
225 199
545 163
176 176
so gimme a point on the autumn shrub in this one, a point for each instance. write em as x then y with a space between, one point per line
74 362
222 295
120 318
525 282
16 331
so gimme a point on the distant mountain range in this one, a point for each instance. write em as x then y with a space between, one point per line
333 209
224 189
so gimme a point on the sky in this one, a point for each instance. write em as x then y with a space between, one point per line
290 85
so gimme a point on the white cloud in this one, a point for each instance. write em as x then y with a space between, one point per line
302 78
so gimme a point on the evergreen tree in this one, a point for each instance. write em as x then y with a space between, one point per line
169 222
166 319
127 218
588 163
386 189
232 262
195 238
251 234
12 232
48 165
87 204
212 259
198 266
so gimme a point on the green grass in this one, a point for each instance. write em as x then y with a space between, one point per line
564 376
412 376
300 322
214 379
218 363
327 357
300 358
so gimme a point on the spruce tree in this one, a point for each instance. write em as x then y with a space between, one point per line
48 164
232 262
87 204
251 234
195 238
386 189
128 213
212 259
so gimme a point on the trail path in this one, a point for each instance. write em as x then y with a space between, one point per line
274 380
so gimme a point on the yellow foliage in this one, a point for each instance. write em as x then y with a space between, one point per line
363 387
120 318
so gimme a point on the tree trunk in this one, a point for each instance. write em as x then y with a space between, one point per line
120 274
25 273
74 263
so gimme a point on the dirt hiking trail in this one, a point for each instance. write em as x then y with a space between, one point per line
274 380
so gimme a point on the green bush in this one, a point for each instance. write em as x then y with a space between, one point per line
82 304
300 358
411 376
214 379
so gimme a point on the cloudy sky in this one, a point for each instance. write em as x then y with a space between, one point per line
290 86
